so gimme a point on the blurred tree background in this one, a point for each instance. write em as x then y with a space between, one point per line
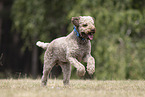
118 45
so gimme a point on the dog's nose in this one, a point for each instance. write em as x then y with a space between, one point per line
92 30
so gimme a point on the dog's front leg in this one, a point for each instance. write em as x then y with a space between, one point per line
90 64
80 67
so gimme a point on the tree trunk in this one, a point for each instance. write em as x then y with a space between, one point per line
1 7
34 62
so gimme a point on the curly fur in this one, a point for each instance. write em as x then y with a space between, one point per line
70 50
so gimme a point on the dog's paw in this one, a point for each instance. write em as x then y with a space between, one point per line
81 71
91 69
43 84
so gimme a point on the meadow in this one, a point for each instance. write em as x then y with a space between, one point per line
77 88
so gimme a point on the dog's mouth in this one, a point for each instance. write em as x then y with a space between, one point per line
88 35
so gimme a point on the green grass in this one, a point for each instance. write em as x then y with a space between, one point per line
77 88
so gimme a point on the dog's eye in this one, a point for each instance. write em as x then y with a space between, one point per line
85 25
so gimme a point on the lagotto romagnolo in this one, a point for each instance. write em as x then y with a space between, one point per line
70 50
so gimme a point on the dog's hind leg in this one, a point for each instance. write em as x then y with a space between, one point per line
49 62
66 69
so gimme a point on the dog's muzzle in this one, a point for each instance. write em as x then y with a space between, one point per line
91 33
88 34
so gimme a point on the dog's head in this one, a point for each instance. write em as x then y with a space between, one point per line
85 26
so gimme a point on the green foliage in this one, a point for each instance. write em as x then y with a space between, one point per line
38 20
119 41
118 45
28 19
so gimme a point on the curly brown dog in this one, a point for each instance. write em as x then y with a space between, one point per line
70 50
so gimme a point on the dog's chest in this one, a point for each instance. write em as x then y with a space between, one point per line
79 51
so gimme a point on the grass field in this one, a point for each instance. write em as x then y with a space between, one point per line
77 88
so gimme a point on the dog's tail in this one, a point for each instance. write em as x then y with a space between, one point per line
42 44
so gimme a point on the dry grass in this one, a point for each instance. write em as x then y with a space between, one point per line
77 88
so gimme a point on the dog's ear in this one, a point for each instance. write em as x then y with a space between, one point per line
75 21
